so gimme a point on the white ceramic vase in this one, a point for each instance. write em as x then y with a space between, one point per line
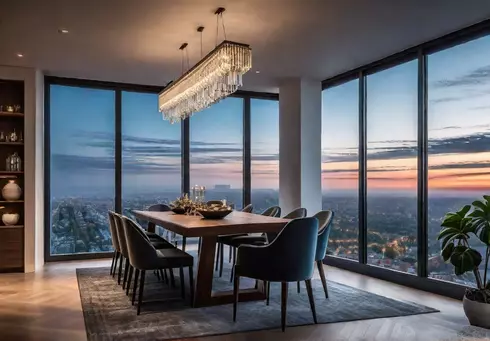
10 218
11 191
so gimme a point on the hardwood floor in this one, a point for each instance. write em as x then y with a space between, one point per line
46 306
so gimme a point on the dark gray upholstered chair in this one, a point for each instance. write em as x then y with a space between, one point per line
248 209
159 208
294 214
123 245
115 244
325 219
143 257
275 262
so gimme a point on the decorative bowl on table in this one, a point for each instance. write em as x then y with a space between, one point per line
214 211
181 205
180 209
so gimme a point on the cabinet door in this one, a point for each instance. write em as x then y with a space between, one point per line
11 249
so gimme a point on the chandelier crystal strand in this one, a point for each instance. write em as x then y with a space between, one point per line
215 77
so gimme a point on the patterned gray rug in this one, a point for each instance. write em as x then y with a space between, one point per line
165 316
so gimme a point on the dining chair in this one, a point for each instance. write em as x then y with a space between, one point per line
247 209
160 208
294 214
235 240
325 219
123 245
143 257
275 262
115 244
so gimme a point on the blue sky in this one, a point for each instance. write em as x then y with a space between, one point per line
82 134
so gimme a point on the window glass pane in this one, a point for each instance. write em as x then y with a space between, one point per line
459 141
340 164
392 168
264 118
82 169
216 157
151 154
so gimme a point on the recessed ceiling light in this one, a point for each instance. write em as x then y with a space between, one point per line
63 31
257 71
20 55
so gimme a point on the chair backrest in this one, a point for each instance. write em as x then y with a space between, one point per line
159 208
142 255
120 234
293 250
325 219
113 230
297 213
215 202
273 211
248 209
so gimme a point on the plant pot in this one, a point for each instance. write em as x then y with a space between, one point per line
477 313
10 218
11 191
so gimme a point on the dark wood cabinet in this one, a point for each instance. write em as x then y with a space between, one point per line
11 121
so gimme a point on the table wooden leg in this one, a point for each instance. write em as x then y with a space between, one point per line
204 295
205 271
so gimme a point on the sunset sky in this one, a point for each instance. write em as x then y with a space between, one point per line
82 134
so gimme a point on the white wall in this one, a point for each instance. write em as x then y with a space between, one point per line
300 145
33 162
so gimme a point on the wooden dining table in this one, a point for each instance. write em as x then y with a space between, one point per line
209 230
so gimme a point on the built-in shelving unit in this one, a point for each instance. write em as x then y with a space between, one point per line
11 236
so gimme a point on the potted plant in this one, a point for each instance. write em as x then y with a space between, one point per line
457 229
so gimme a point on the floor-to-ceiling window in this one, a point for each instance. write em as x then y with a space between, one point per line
392 167
264 131
151 153
82 167
216 151
459 141
340 164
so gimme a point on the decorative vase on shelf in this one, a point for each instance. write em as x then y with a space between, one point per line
10 218
11 191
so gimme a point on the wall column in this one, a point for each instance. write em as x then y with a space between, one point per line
300 157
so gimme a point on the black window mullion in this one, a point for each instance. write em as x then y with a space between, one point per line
247 178
362 171
118 153
185 155
422 169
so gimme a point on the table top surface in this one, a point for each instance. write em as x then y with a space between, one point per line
195 226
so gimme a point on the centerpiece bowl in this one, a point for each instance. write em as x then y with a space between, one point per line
210 214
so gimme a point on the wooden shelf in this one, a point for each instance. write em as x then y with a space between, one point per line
11 201
11 226
11 114
11 172
12 143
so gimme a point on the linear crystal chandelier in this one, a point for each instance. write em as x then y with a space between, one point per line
214 77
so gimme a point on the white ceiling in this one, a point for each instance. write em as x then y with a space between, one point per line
137 41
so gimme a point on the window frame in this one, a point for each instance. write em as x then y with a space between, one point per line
118 88
419 53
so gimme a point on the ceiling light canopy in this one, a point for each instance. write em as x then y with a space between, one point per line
63 31
214 77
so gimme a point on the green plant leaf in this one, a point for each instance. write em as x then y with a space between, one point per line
487 198
464 210
481 205
464 259
447 231
447 251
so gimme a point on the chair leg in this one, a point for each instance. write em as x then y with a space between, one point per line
183 243
218 248
172 278
121 261
130 277
156 273
222 246
113 260
165 276
268 292
236 289
299 287
191 284
140 295
321 270
182 283
126 270
232 273
135 285
199 246
310 297
284 304
115 264
230 253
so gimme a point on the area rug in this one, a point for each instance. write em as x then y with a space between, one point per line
109 314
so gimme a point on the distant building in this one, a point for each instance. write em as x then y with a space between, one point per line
222 187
